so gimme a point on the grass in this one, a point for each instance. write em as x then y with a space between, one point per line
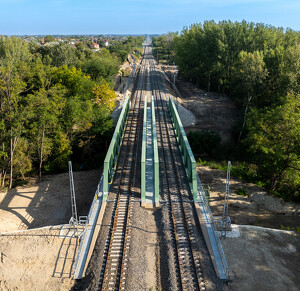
241 191
126 72
240 170
290 228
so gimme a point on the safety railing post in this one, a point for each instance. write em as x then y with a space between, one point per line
112 154
155 155
185 149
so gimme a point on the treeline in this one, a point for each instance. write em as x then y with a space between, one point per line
163 47
55 104
259 66
131 44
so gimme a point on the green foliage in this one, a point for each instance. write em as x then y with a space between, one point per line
213 164
258 65
290 228
250 73
121 49
274 136
22 160
240 170
105 97
49 38
204 142
211 54
102 67
62 150
58 54
50 109
163 47
246 172
241 191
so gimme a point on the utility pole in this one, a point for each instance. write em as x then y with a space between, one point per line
74 218
226 198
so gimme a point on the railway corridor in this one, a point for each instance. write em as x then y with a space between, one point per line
139 249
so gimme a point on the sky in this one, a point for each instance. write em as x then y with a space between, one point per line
41 17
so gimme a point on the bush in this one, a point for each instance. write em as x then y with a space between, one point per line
204 142
241 191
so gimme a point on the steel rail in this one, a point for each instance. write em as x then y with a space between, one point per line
113 272
190 273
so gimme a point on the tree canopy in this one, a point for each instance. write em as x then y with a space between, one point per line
55 104
259 66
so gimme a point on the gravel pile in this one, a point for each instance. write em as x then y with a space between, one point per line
186 116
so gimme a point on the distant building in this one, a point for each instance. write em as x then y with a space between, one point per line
106 44
94 46
72 44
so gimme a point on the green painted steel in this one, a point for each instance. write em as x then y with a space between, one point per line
185 149
114 149
155 155
143 157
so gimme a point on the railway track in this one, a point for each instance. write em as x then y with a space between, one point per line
174 190
189 273
114 267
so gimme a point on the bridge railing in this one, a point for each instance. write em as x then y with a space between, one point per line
185 149
207 222
87 234
155 154
143 157
211 235
114 149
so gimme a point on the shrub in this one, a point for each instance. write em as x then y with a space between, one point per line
241 191
205 142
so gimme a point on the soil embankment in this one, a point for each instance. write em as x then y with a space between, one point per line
34 258
260 255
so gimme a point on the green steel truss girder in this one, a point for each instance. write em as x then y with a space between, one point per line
143 157
185 149
114 149
155 155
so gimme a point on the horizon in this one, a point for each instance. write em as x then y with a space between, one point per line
137 17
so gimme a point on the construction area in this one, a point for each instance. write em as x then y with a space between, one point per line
143 221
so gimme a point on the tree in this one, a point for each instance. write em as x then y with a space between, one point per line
105 97
46 108
14 58
274 136
59 54
49 38
251 72
102 67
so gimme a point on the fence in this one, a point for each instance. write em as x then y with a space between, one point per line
155 155
143 157
185 149
114 149
211 235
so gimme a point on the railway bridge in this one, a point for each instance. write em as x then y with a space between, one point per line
150 167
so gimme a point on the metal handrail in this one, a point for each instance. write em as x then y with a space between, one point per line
83 237
208 214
